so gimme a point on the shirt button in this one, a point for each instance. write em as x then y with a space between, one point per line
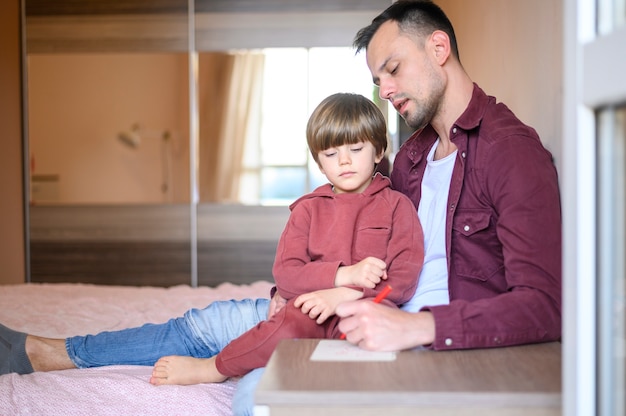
454 130
463 155
448 341
466 228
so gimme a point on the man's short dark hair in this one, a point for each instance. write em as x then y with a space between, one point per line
418 17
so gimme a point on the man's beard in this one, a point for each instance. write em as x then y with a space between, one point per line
426 109
419 119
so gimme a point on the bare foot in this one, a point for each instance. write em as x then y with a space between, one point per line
176 369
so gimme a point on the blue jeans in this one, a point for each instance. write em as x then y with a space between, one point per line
199 333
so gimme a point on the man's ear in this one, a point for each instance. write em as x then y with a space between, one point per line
440 43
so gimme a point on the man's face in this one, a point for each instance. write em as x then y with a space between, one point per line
406 73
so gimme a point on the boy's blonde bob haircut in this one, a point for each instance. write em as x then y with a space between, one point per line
345 118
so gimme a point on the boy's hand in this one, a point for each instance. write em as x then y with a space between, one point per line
366 273
276 303
321 304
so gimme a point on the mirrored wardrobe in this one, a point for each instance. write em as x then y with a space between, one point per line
166 139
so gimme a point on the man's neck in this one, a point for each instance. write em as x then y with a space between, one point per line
444 148
458 95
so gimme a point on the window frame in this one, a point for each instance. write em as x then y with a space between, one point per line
592 82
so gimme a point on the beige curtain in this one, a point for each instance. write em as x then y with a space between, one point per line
230 87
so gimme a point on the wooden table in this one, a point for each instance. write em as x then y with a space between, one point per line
523 380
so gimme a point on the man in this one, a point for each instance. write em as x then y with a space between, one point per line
502 237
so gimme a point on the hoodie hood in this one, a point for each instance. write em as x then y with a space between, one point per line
379 183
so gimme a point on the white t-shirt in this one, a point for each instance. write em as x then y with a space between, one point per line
432 288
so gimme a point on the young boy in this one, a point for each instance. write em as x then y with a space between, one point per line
340 243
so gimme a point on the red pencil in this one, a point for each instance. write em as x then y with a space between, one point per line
379 298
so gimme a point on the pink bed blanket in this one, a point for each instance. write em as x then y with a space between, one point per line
60 310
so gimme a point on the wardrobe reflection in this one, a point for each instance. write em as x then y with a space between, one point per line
114 128
110 148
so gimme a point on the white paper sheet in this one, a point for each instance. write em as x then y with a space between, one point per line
337 350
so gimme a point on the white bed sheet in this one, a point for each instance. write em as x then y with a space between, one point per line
60 310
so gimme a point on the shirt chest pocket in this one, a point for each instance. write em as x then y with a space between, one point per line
476 251
468 223
371 241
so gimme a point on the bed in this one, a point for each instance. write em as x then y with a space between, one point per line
64 309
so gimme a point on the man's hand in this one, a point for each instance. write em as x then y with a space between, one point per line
378 327
366 273
321 304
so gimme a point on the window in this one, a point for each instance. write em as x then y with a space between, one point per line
611 15
610 121
594 208
611 210
277 165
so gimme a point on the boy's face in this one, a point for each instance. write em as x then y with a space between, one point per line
349 167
